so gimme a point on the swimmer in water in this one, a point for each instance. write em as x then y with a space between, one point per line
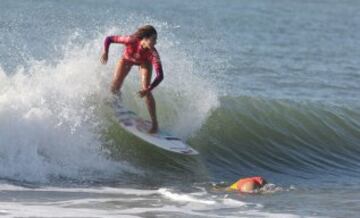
139 50
248 185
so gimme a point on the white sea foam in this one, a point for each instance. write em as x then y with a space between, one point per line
125 202
48 123
184 197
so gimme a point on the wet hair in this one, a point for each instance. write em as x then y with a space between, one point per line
145 32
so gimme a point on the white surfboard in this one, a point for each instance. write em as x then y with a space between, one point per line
139 127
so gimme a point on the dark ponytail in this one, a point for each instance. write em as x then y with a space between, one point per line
145 32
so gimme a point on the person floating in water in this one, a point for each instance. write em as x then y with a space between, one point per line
139 50
248 185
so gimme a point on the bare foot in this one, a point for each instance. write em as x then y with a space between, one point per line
154 129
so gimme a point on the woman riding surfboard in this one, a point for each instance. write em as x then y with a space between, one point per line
139 50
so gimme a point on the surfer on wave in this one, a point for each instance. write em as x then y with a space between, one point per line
139 50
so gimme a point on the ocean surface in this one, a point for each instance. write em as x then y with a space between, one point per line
268 88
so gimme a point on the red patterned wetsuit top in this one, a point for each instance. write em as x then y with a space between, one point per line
136 54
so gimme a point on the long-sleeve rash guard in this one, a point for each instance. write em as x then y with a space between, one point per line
134 53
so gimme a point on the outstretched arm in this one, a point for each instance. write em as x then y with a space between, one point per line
155 60
113 39
116 39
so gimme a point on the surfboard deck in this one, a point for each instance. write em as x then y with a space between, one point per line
139 127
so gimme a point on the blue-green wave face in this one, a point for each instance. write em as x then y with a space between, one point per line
280 138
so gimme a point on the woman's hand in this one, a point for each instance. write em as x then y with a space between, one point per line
143 92
104 58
